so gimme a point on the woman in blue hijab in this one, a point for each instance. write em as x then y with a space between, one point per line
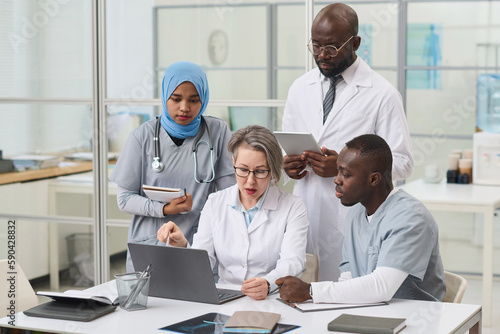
183 76
185 97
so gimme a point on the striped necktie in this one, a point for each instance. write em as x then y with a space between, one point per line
330 97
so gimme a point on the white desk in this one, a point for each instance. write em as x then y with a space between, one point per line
465 198
422 317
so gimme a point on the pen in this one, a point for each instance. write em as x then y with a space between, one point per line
168 239
279 286
138 287
274 290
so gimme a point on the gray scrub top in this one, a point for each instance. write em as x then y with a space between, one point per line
133 169
401 235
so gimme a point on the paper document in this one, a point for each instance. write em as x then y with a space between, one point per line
106 297
88 156
27 161
309 306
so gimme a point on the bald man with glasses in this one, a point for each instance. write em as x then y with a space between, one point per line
338 100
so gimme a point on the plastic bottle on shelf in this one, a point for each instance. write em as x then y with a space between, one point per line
452 173
465 168
488 102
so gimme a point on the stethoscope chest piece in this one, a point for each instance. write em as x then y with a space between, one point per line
157 165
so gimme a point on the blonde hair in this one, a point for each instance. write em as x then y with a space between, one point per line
260 139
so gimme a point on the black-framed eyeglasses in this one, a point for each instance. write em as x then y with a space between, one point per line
258 173
331 50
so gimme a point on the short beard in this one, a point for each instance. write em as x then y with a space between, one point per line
338 69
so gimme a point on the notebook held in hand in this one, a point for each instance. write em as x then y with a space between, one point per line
163 194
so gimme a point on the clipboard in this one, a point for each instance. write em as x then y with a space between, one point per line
294 143
163 194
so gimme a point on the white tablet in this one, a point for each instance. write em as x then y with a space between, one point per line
163 194
294 143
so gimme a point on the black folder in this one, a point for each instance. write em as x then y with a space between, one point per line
76 310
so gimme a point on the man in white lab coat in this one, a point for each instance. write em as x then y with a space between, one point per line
363 103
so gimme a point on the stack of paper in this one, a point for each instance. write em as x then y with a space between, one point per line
88 156
28 161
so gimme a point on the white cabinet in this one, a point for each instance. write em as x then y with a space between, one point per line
38 241
32 250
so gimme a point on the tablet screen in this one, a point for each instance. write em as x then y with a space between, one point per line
294 143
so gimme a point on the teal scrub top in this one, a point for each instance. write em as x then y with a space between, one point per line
402 235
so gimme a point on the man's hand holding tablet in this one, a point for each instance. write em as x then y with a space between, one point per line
304 153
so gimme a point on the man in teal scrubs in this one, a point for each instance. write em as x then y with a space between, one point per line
391 247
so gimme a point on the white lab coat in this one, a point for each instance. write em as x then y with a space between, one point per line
273 245
368 104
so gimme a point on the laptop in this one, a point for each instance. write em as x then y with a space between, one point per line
180 273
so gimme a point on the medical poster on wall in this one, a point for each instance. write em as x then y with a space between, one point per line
365 49
424 49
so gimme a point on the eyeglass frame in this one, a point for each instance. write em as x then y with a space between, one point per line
252 171
323 48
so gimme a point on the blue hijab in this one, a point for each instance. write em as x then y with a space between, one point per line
174 75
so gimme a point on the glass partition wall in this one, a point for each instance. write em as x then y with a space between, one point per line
78 77
445 54
46 111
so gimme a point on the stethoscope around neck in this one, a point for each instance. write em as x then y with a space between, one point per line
158 165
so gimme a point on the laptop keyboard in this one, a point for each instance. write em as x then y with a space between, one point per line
227 294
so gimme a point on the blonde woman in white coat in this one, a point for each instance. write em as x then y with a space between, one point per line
255 230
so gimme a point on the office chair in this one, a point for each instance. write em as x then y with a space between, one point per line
310 273
455 287
25 296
